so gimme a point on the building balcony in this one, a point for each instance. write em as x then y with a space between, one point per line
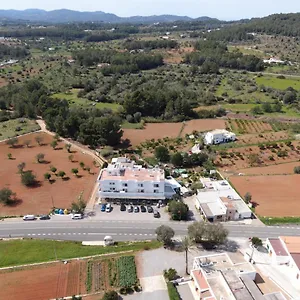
126 195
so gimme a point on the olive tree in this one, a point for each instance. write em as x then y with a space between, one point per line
164 234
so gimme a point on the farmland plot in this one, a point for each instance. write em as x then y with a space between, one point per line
127 271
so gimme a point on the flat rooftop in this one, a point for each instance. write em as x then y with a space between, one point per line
140 174
219 262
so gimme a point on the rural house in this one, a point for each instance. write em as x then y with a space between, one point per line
285 250
218 201
219 136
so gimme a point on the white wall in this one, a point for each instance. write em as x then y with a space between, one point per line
276 259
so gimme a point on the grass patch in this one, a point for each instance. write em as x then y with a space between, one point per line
172 291
127 125
151 160
74 100
242 107
280 84
27 251
15 127
280 220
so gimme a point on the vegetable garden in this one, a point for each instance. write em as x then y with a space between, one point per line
109 273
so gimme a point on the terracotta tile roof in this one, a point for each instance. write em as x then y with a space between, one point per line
201 280
296 258
278 247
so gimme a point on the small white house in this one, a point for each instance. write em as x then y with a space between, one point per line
219 136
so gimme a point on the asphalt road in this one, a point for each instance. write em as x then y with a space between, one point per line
92 230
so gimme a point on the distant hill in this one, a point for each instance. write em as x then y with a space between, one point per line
65 16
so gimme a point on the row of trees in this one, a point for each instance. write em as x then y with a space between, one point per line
150 44
119 63
93 127
165 103
12 52
207 234
212 55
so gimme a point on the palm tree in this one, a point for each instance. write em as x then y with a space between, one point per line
187 245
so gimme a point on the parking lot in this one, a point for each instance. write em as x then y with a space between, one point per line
115 213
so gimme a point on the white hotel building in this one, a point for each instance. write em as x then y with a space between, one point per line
123 179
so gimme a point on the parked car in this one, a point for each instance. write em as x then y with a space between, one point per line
103 207
143 208
156 214
123 207
29 218
108 207
130 208
150 209
136 209
77 216
45 217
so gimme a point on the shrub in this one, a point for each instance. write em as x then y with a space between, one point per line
111 295
297 170
28 178
170 274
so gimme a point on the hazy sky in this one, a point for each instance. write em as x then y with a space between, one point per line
222 9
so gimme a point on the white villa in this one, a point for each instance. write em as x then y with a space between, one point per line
219 136
123 179
218 201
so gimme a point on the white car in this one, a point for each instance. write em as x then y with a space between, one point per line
29 218
77 216
108 207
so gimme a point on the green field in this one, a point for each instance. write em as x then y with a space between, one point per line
127 125
75 101
19 252
12 128
280 84
241 94
239 107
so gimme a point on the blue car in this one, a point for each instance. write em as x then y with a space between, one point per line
103 207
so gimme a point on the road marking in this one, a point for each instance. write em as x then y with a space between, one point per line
29 234
33 234
49 233
44 233
39 234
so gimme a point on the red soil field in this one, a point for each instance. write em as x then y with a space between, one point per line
44 282
38 199
246 139
203 125
152 131
276 196
171 130
236 164
280 169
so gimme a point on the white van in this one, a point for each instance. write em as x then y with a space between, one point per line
77 216
29 218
